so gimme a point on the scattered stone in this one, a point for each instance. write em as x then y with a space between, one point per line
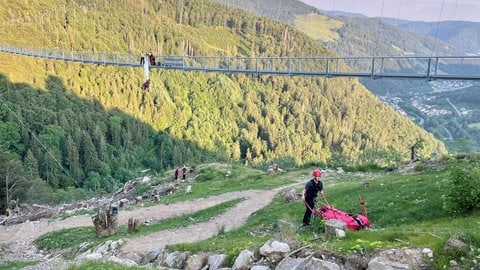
244 260
290 195
196 261
454 244
123 202
217 261
331 227
274 250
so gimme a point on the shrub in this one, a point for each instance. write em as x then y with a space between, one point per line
208 174
420 167
142 189
463 197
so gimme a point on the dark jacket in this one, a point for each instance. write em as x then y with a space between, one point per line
312 188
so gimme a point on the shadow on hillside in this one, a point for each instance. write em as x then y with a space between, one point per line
87 141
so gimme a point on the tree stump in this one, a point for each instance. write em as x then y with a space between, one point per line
132 225
106 220
123 203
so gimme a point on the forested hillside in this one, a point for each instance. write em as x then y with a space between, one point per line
69 125
354 35
463 36
350 34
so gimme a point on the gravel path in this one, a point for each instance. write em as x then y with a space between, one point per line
17 241
231 219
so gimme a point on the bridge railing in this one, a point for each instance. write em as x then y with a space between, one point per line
74 56
264 65
425 67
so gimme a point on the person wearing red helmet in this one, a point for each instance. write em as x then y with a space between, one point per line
310 193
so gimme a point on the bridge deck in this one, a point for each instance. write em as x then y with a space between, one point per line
375 67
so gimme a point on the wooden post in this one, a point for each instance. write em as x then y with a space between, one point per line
132 225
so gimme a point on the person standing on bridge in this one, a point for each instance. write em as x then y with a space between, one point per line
310 193
151 58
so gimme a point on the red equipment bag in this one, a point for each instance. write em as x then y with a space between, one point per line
353 221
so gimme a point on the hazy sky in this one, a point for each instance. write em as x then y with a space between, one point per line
418 10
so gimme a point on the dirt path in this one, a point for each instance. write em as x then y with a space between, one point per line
233 218
16 239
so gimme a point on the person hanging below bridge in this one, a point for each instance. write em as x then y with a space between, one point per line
146 84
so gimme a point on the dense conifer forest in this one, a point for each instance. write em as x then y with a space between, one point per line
71 126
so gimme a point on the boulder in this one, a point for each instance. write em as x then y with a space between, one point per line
274 250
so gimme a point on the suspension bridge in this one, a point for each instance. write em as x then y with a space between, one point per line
374 67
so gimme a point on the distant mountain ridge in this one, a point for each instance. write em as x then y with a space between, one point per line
463 36
459 36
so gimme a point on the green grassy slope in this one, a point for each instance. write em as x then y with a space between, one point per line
405 210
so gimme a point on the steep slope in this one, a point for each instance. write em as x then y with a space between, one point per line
102 128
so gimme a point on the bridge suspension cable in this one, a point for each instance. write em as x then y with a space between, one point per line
437 28
375 67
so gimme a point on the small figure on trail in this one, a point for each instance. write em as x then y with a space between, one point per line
184 172
146 84
270 170
142 59
310 193
273 169
176 173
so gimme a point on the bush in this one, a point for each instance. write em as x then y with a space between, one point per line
420 167
207 174
142 189
464 194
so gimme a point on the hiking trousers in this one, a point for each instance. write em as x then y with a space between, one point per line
308 213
